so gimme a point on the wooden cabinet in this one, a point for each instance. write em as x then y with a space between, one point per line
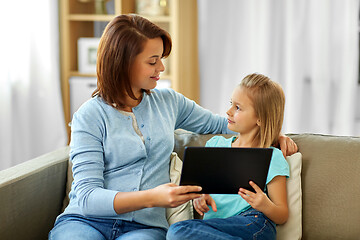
79 18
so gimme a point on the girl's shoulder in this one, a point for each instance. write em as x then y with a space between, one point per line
278 165
277 154
219 141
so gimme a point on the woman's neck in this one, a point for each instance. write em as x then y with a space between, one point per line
130 103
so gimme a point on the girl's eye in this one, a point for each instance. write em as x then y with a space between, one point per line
238 108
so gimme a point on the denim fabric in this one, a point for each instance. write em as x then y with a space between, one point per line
76 227
250 224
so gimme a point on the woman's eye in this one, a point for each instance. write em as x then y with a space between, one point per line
152 63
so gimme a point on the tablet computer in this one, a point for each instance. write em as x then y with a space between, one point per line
222 170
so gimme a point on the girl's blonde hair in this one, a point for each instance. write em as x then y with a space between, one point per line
269 102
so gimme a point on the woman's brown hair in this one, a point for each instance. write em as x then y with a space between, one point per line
269 102
123 39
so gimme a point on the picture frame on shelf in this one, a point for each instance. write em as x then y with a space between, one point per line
87 53
152 7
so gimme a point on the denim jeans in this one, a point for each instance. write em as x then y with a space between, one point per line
77 227
250 224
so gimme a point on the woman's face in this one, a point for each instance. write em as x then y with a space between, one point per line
147 66
241 114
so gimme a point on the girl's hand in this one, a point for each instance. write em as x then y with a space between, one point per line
172 195
201 204
257 200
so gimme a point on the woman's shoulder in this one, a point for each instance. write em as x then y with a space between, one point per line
89 105
93 107
219 141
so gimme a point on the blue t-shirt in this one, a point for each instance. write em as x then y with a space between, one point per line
229 205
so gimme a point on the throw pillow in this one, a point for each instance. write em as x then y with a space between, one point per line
184 211
68 186
292 229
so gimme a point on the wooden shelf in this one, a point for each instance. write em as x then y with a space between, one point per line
108 18
90 17
78 74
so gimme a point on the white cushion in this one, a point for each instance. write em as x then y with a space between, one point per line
184 211
292 229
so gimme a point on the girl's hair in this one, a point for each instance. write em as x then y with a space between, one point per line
269 102
123 39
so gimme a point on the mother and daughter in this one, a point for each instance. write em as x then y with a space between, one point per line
122 139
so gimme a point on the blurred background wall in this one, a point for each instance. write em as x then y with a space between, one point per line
310 47
31 116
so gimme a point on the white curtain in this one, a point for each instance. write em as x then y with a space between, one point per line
31 115
310 47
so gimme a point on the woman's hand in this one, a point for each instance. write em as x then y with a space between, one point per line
287 145
201 204
258 200
166 195
172 195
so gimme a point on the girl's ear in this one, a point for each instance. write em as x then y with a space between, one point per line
258 122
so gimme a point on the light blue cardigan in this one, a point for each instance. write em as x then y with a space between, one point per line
108 156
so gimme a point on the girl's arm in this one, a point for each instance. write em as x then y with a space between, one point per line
275 206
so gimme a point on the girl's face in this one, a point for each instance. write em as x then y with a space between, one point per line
241 114
147 66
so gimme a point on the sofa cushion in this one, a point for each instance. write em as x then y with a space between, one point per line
69 180
330 182
292 229
184 211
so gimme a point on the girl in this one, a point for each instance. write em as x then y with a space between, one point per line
256 113
122 138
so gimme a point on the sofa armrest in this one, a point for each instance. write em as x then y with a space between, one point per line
31 196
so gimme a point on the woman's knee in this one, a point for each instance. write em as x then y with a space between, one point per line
74 230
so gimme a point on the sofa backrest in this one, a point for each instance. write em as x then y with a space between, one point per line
30 196
331 186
